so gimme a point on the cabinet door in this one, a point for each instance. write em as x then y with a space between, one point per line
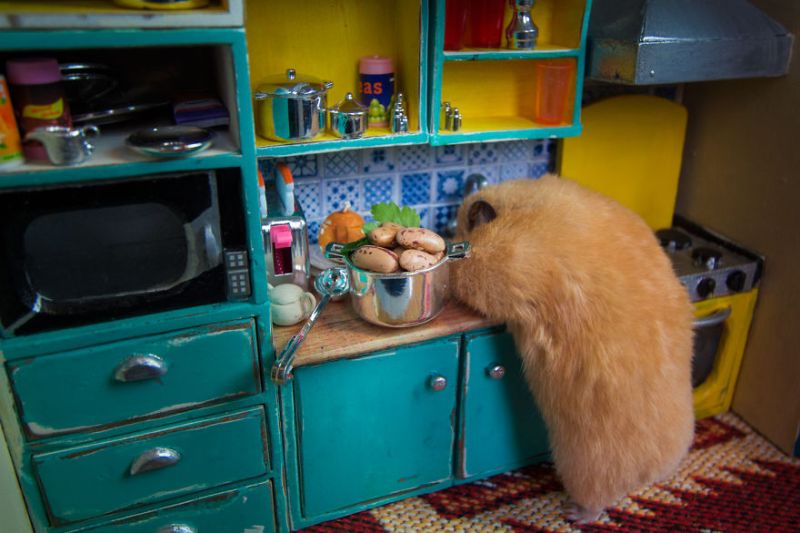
373 427
501 427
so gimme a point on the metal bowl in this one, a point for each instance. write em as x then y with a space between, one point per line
170 141
402 299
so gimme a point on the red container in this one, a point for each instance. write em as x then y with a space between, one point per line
455 24
38 99
486 23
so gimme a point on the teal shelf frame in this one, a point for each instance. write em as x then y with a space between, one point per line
438 57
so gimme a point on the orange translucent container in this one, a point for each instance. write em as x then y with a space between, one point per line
555 82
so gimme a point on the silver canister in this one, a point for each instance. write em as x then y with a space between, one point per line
291 108
348 118
401 299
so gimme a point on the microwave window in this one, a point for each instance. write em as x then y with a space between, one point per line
93 252
73 256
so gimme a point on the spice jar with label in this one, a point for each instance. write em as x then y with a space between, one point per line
38 98
376 88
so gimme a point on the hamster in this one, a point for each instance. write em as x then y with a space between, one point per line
601 322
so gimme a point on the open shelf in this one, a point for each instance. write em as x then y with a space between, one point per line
38 14
328 46
145 75
112 159
495 90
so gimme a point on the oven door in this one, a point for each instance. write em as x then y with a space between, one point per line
721 327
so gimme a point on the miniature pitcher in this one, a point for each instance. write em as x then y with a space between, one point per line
65 146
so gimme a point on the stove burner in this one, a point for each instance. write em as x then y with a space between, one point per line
673 240
707 257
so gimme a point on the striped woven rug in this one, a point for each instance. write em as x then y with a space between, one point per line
733 481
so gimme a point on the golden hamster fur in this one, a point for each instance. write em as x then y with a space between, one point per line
602 324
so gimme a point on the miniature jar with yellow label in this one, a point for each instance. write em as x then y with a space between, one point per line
38 98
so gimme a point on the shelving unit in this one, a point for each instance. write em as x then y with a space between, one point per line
494 89
286 34
253 494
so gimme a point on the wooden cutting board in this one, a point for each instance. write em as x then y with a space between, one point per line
630 149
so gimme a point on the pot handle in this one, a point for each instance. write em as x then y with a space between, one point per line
334 251
458 250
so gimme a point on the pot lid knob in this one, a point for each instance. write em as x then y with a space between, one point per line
350 106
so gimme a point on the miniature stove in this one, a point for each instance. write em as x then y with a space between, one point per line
708 264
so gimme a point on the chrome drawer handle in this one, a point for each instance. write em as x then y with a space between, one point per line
438 383
140 368
154 459
496 371
176 528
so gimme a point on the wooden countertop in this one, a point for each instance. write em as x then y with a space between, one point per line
340 333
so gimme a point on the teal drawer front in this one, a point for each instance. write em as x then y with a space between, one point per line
373 427
501 425
241 510
87 388
90 481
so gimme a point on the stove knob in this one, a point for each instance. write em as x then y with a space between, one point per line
736 280
706 287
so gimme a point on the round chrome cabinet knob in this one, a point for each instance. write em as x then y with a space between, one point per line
496 371
438 383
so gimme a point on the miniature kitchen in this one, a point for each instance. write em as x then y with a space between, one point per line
229 229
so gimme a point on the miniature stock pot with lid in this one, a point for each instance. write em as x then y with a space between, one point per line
291 107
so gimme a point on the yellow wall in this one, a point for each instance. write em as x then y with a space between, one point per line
741 176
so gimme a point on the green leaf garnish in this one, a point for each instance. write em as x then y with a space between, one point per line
391 212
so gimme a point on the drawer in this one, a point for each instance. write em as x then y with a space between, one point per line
88 481
125 381
249 508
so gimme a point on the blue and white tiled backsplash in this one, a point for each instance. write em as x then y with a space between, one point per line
429 179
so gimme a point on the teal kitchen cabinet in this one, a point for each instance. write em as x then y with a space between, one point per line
360 432
500 425
74 424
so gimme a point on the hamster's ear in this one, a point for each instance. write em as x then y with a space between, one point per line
480 212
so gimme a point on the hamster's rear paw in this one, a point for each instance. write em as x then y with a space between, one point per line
578 514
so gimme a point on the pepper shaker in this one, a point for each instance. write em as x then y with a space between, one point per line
522 33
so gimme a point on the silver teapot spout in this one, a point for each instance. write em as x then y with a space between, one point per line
65 146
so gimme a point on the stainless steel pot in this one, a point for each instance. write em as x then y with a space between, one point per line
291 108
348 118
402 299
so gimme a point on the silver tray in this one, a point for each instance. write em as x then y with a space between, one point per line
170 141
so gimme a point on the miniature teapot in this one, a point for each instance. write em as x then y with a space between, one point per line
290 304
65 146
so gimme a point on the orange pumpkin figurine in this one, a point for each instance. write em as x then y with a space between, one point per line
342 227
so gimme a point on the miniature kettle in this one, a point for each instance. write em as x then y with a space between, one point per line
290 304
65 146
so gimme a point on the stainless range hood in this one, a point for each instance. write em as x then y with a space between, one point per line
649 42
